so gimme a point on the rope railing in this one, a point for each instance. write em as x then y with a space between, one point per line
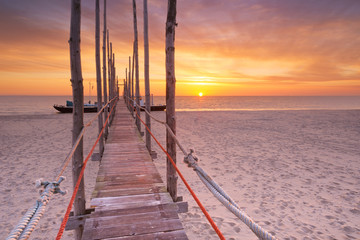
76 188
213 187
31 218
217 230
80 136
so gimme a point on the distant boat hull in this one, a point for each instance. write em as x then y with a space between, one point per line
93 109
154 108
69 109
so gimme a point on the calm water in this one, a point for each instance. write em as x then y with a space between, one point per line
29 105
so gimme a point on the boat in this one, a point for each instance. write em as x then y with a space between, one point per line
157 108
153 107
68 108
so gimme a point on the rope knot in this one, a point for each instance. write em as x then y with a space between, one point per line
191 160
52 185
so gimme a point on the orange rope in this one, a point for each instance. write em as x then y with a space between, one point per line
66 217
217 230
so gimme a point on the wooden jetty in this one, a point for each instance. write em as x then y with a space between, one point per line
130 199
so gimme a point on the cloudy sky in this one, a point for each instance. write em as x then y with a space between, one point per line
232 47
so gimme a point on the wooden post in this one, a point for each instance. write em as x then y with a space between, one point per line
170 97
113 87
110 78
126 88
146 72
106 132
117 86
98 76
109 62
113 90
132 78
137 88
129 86
78 108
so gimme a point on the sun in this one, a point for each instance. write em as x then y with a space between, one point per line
200 94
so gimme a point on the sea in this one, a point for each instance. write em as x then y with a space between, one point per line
34 105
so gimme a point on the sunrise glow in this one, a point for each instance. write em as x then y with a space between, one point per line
200 94
281 48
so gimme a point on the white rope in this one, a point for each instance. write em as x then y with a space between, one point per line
215 189
29 221
259 232
31 218
16 232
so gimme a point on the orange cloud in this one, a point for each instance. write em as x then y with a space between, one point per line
221 47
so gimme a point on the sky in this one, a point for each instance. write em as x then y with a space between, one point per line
222 48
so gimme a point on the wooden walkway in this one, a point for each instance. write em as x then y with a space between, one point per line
130 199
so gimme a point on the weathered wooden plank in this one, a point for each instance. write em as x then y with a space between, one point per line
119 201
127 185
116 177
143 209
128 191
129 181
133 229
135 160
130 219
175 235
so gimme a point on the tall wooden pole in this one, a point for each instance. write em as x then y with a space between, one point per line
108 61
110 77
106 132
146 72
117 86
113 90
137 88
78 109
129 88
98 75
126 88
132 77
170 96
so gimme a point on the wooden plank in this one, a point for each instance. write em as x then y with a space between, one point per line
177 235
115 177
130 219
140 228
119 201
128 185
143 209
128 191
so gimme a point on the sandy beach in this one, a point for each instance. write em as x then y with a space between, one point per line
296 173
34 147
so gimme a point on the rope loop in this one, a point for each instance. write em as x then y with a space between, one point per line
33 215
191 160
54 185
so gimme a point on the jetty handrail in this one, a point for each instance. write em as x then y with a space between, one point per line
211 221
31 218
213 187
80 136
67 213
